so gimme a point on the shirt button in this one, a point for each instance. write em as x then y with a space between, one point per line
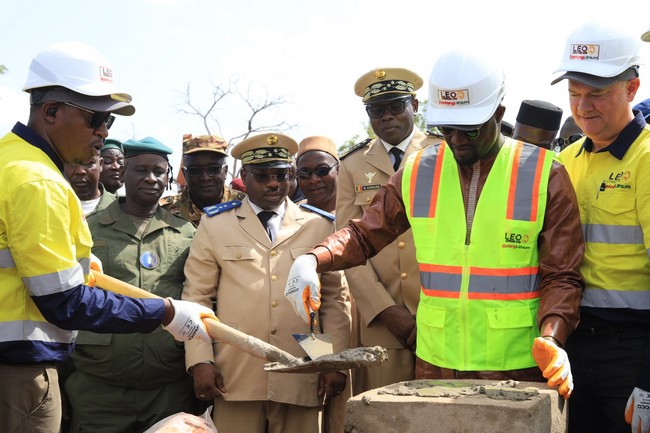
368 199
274 277
238 256
401 244
274 304
273 253
404 276
274 331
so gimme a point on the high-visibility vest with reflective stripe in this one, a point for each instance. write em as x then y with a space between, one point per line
44 244
479 302
614 200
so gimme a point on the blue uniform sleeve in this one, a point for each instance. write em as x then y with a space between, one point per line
94 309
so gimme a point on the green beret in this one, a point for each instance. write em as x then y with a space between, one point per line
111 143
145 145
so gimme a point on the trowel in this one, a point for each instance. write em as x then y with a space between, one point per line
314 344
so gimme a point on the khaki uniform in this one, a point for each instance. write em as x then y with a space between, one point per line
182 206
233 259
391 277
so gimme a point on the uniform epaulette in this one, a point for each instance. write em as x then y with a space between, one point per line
355 148
166 200
320 212
434 132
218 208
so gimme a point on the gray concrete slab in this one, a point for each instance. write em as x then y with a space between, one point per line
458 406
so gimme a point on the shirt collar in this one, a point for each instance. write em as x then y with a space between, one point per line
279 210
402 145
30 136
619 147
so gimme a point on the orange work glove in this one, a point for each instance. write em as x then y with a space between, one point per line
637 411
554 363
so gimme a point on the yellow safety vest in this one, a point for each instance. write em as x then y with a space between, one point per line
44 242
614 200
479 301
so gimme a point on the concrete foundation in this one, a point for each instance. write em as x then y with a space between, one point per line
458 406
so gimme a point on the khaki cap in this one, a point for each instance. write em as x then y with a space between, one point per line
270 149
317 142
387 83
201 143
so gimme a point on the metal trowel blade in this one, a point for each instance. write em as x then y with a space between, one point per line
315 345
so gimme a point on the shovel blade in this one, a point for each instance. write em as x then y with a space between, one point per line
315 345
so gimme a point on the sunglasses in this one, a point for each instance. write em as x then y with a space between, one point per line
474 133
563 142
321 171
265 178
211 171
376 111
98 118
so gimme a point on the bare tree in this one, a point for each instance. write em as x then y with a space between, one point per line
228 96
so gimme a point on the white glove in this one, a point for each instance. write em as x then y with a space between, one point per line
186 323
555 366
96 264
303 287
637 411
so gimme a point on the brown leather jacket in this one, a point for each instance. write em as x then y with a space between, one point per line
561 244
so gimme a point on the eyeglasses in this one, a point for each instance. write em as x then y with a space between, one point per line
473 134
321 171
563 142
376 111
265 178
98 118
211 171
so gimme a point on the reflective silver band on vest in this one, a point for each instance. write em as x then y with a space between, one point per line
526 186
601 298
6 259
425 182
27 330
612 234
55 282
501 285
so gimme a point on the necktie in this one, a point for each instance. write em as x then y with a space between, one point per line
264 217
397 154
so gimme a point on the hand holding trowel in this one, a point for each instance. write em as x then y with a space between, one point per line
314 344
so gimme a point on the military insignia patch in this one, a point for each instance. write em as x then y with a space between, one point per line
149 260
216 209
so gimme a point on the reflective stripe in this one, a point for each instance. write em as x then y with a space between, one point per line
55 282
6 259
523 195
85 265
425 177
27 330
612 234
484 283
601 298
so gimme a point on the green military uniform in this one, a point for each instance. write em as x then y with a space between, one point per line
141 376
182 206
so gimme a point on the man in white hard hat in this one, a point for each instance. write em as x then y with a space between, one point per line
497 238
45 242
610 350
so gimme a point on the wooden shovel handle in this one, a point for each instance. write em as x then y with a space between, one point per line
216 329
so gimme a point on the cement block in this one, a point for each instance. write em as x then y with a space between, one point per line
457 406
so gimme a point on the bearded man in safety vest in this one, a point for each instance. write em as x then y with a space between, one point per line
497 237
610 350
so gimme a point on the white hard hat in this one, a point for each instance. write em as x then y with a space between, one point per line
464 90
83 70
598 54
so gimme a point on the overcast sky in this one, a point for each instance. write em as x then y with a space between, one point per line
309 52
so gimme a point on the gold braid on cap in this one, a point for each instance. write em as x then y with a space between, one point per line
265 154
388 86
